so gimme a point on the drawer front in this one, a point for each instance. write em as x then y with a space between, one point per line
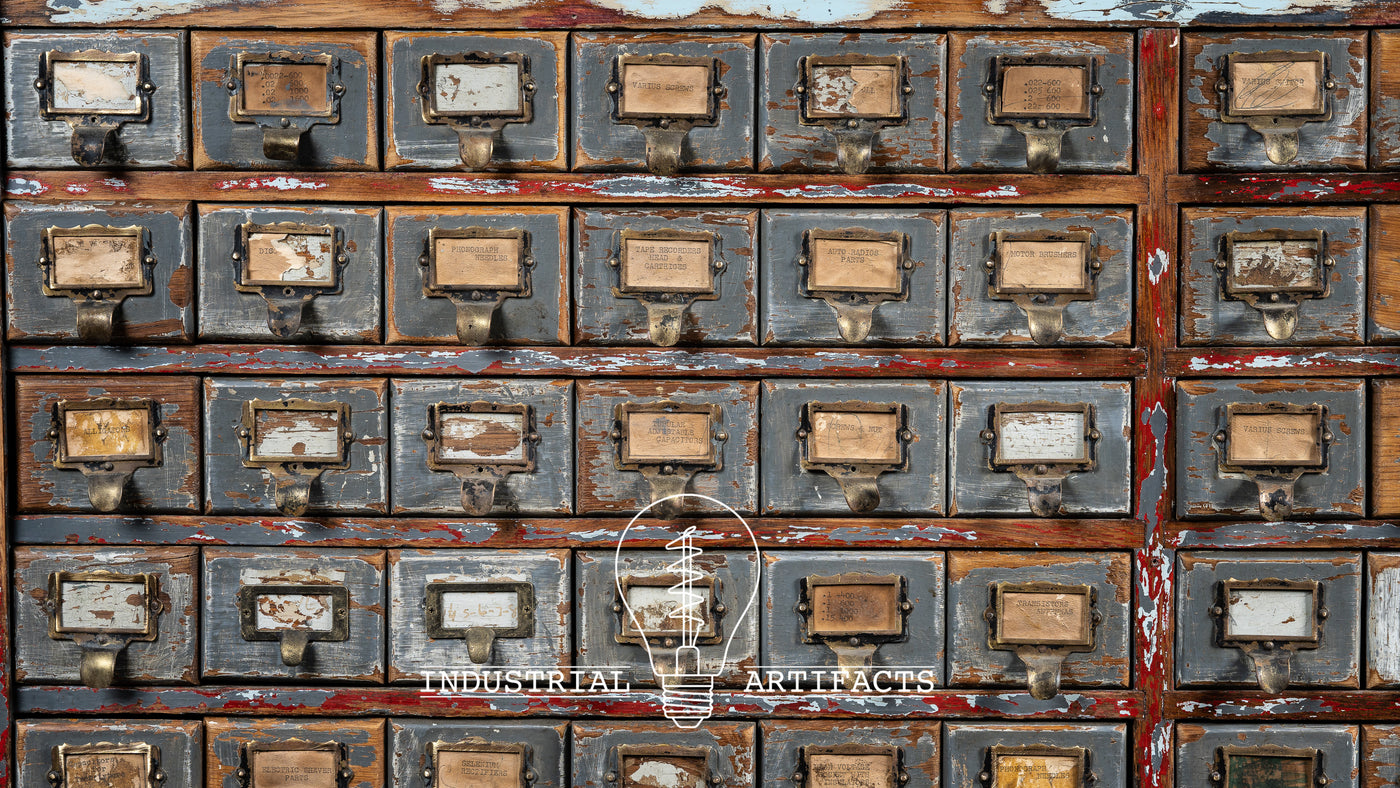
1382 628
1272 630
520 99
1385 112
665 277
1023 754
331 81
1211 482
825 754
310 615
659 754
481 459
147 128
519 599
1038 607
837 447
721 131
1094 130
65 598
1380 744
1029 448
483 750
127 444
611 625
301 274
891 86
530 307
817 601
140 256
340 466
1280 276
1330 123
1383 307
1079 290
1328 752
813 303
309 747
608 481
1385 442
117 749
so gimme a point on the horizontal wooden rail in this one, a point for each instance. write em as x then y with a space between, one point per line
1334 535
1291 705
1302 187
1283 362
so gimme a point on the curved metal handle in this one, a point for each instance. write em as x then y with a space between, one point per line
862 492
476 147
665 485
1042 671
89 143
282 144
1046 495
1047 323
1275 498
292 493
479 640
663 149
293 645
1280 318
664 323
1272 667
95 321
853 321
106 489
1043 150
853 662
853 150
1281 146
474 321
99 666
478 495
284 315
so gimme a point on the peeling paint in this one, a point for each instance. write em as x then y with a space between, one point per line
23 187
281 183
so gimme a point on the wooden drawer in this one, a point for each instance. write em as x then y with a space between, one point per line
304 751
1382 591
1021 753
1323 754
481 752
827 754
109 752
636 752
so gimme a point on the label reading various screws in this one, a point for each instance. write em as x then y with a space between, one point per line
1282 438
669 90
1276 87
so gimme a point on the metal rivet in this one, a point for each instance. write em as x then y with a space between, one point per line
286 122
803 607
232 85
617 608
148 87
339 90
721 436
610 777
801 433
612 87
529 86
720 609
1042 123
988 436
1220 437
801 89
1041 469
38 84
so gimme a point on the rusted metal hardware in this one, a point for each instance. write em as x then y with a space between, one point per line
103 612
668 443
1042 623
854 271
295 615
95 93
287 94
476 94
1269 647
476 268
853 97
108 439
1042 443
1275 93
481 443
665 96
1042 97
854 442
853 614
1273 444
294 441
1275 271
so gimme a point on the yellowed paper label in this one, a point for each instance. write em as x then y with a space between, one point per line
1283 438
854 266
850 771
851 436
1038 771
1275 265
295 769
457 769
1044 91
463 609
308 435
660 771
843 91
675 91
667 265
856 609
667 436
105 770
97 261
310 612
103 606
1043 618
1275 87
481 437
1042 266
1265 771
109 432
486 263
295 89
290 258
105 88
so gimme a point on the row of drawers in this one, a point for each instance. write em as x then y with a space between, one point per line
1276 448
545 275
1036 622
1042 101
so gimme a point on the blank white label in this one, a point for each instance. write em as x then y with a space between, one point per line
103 87
476 87
1271 613
1043 436
463 609
100 605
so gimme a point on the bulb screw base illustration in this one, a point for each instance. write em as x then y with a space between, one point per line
687 699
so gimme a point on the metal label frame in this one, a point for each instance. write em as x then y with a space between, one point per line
896 778
242 280
528 437
622 752
713 91
997 115
999 292
996 614
992 436
248 751
492 119
129 462
806 434
628 632
714 462
247 602
898 63
1227 94
525 615
805 607
249 433
433 289
904 266
1221 773
667 292
149 754
236 86
1322 438
1221 612
48 261
996 752
477 744
154 607
1232 291
45 84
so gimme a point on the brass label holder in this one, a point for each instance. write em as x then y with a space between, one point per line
285 126
95 128
107 474
101 644
1075 758
1275 473
476 302
666 302
1267 283
287 299
854 303
480 473
479 638
476 128
1042 119
881 600
855 468
1043 302
249 752
441 754
665 128
1043 466
95 299
1234 765
697 758
710 613
670 475
1027 619
293 641
149 774
854 127
292 474
811 757
1276 115
1270 652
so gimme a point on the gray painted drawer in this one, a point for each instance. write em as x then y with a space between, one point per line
724 751
972 749
798 753
1199 751
177 749
357 747
544 754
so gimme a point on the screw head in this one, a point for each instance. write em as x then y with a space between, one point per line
1217 610
908 89
987 436
801 433
286 122
803 607
798 777
231 85
1042 123
148 87
1329 84
529 86
427 774
1041 469
1220 436
852 123
616 608
610 777
720 609
39 85
340 90
721 436
612 87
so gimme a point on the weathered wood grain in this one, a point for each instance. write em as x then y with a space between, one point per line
1294 535
180 744
1385 99
782 742
1385 448
730 751
1383 307
1380 756
1197 747
1282 362
966 746
1286 188
1382 605
363 740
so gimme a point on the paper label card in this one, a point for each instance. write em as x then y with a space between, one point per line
667 265
290 258
103 606
1274 438
854 265
1267 613
304 435
295 89
853 436
853 91
1038 771
1277 87
105 770
466 609
1268 771
831 770
1043 618
279 612
666 90
1041 266
97 261
481 262
294 769
107 433
101 87
1042 437
1044 91
662 436
856 609
476 88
